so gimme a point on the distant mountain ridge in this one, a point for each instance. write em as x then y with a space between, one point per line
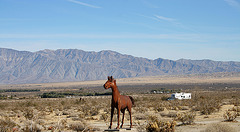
77 65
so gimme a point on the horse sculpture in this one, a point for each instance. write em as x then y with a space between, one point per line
120 102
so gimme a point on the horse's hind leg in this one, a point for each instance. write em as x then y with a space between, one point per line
123 111
130 113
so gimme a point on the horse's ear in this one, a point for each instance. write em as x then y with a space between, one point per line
108 78
114 81
111 78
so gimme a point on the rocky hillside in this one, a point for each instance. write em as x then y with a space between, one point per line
78 65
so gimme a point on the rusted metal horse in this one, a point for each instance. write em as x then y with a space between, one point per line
120 102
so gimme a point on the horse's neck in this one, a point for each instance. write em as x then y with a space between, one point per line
115 92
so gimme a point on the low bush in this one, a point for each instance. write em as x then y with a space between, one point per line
230 115
207 106
6 124
187 118
156 125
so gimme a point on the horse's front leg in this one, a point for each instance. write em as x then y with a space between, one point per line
112 112
123 111
118 112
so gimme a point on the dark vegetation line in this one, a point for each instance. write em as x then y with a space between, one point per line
64 94
19 90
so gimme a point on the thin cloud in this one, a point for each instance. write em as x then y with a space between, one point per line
233 3
165 18
172 21
84 4
158 18
150 17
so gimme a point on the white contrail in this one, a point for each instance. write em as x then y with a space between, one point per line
165 18
84 4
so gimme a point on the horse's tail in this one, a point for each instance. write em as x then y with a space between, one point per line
131 98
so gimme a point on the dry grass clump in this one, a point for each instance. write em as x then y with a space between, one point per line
230 115
236 108
187 118
207 106
219 127
235 101
207 103
170 114
104 116
82 127
156 125
6 124
32 128
34 114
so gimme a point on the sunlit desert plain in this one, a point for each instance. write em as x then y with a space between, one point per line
86 106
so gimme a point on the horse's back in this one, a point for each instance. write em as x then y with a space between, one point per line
126 101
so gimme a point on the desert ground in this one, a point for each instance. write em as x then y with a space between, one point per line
85 106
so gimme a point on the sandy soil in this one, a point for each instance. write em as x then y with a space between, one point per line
53 118
200 123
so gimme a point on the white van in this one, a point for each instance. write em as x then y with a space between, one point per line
181 96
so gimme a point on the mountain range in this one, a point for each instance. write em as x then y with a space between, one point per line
62 65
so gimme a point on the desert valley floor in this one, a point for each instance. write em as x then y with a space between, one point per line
85 106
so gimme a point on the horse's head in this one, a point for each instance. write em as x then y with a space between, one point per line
111 82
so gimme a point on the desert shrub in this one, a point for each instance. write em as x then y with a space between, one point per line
140 127
4 105
207 106
164 98
94 111
81 127
230 115
235 102
169 114
187 118
158 109
140 109
140 117
6 124
236 108
28 113
183 108
32 128
156 125
219 127
61 124
104 116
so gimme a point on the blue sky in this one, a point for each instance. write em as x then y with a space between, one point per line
170 29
